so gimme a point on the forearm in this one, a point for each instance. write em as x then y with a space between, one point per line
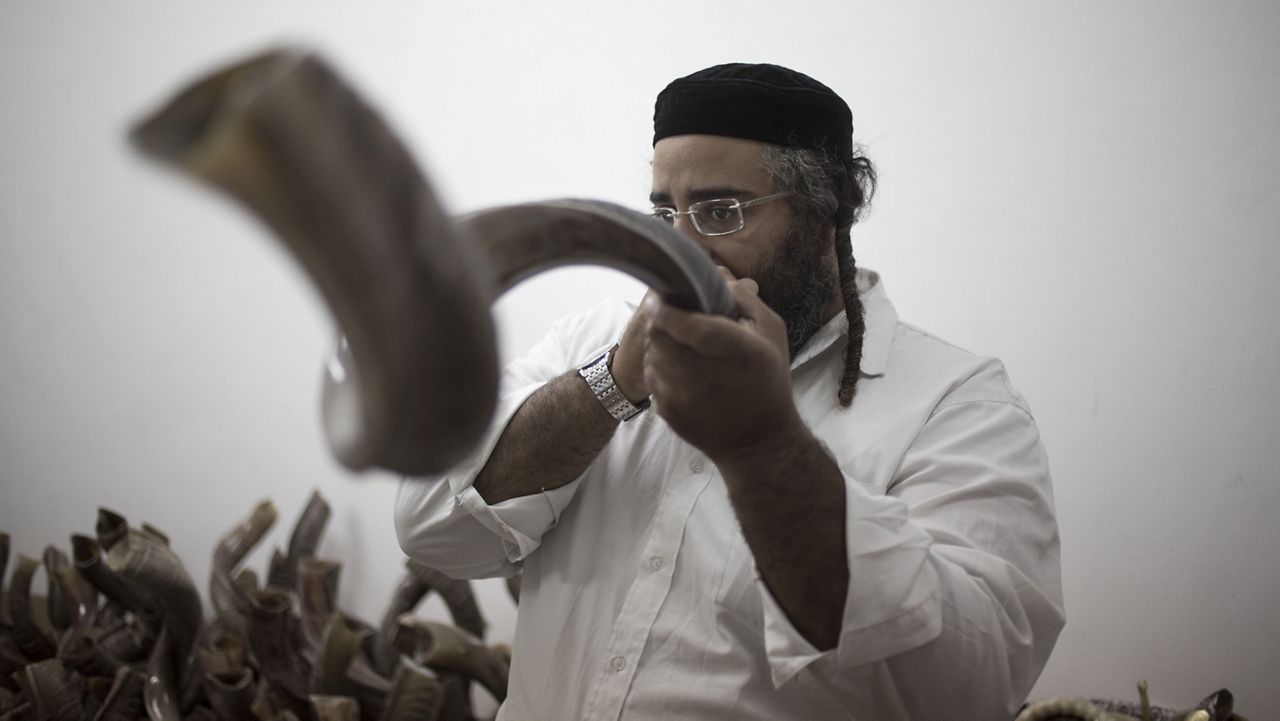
550 441
789 497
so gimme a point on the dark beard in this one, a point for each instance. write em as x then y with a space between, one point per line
799 282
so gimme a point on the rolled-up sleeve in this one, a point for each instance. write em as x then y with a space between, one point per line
955 597
443 522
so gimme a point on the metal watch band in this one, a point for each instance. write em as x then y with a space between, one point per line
600 380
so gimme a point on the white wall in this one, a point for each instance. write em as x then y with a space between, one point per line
1088 190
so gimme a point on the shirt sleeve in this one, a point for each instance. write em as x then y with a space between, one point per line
955 596
443 522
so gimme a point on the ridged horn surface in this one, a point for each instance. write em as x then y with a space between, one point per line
56 692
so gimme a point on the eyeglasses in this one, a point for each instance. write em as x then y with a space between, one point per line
721 216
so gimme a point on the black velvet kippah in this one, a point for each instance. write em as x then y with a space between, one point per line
768 103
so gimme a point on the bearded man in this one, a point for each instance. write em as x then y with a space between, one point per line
813 511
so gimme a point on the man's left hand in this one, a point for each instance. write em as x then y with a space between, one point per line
723 385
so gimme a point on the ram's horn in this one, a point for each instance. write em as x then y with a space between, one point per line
4 564
275 643
153 568
79 598
56 692
34 642
415 694
283 134
306 536
156 534
124 700
84 655
125 642
111 528
222 650
278 571
1067 708
457 596
60 611
413 382
340 668
318 595
406 597
335 708
161 691
12 660
231 695
446 648
89 562
229 601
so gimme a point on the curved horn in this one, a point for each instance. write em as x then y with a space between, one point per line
32 639
229 601
305 538
282 133
446 648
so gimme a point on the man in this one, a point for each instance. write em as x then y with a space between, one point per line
813 511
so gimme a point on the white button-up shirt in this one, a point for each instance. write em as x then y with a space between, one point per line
640 598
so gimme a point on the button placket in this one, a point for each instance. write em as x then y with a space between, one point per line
643 602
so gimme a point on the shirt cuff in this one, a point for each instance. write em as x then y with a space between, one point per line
519 522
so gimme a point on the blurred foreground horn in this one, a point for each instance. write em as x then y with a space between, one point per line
413 382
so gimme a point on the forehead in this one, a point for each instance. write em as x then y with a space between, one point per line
684 164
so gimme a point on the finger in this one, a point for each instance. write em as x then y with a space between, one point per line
727 274
746 295
668 357
709 335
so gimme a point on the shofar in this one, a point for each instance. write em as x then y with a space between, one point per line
413 386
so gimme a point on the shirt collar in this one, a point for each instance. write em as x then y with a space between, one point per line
879 317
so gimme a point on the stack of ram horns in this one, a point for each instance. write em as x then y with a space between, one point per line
121 635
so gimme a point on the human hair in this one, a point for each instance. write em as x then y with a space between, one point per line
830 191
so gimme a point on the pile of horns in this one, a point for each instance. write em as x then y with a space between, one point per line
121 635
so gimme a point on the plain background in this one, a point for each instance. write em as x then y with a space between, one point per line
1088 190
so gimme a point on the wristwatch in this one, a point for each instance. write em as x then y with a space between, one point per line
597 375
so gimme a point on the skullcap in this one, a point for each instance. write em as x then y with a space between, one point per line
763 102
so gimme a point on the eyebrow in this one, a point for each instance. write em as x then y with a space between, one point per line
698 194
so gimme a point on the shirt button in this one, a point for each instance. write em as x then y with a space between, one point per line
696 465
618 663
655 563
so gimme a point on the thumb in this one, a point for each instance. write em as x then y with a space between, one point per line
746 295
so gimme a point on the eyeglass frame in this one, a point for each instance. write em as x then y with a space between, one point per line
695 208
